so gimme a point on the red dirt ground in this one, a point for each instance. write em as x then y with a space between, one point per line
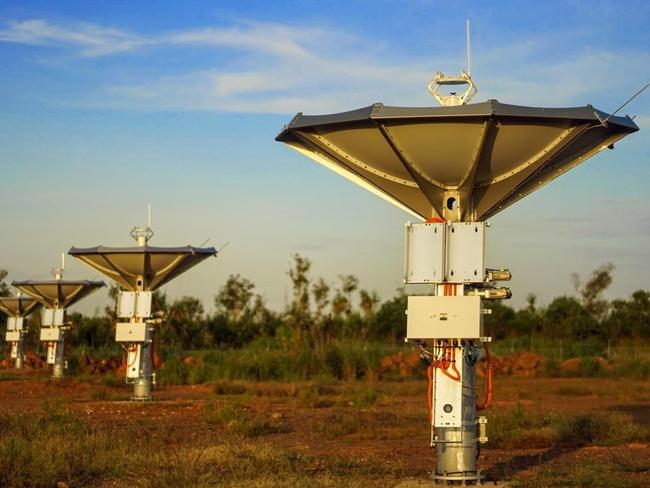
393 431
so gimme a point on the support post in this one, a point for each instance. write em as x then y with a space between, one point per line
53 328
457 447
143 384
447 328
20 351
137 335
59 359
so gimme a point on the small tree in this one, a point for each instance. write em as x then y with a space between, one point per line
368 302
342 302
390 321
298 316
591 291
320 292
501 321
111 310
349 284
233 299
300 281
566 318
340 305
185 323
630 318
5 291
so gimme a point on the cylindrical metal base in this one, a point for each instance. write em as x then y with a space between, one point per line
142 390
20 352
457 447
57 371
463 480
457 452
59 360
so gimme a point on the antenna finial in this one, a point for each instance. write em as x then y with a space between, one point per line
465 78
143 234
58 272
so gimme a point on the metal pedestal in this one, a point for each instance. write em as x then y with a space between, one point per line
57 371
59 362
457 447
143 385
20 353
142 390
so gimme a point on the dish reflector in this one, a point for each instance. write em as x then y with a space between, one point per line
58 293
142 267
461 163
18 306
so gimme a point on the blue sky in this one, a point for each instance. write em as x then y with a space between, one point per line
105 106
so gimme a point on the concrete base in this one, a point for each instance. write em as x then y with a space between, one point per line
19 362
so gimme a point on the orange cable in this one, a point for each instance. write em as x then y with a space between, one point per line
430 392
488 377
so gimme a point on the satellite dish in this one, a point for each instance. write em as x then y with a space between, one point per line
457 163
18 306
453 167
140 270
17 309
56 295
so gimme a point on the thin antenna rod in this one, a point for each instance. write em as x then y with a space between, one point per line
62 261
469 52
628 101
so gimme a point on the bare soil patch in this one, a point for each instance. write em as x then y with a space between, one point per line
371 433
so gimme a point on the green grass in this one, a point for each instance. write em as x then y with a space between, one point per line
573 390
523 428
260 361
9 376
360 398
584 475
51 445
271 360
41 448
237 418
600 428
341 423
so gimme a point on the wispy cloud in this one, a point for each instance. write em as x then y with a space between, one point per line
264 38
88 39
264 67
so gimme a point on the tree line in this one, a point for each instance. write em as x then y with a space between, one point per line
320 313
584 315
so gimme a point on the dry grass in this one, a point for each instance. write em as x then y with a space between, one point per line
271 434
41 448
536 428
585 475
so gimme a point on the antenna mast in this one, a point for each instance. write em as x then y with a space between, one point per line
58 272
143 234
469 53
440 79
